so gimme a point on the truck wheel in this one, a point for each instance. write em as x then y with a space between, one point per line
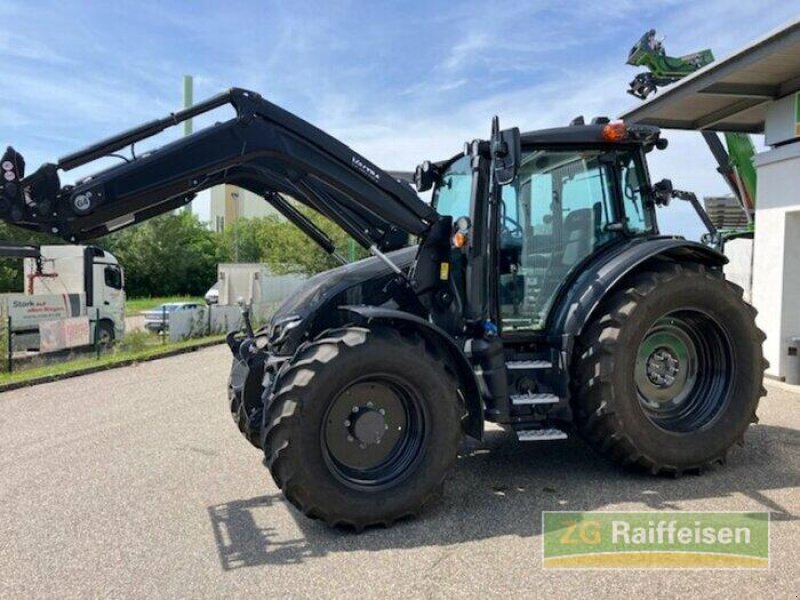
105 334
363 427
669 373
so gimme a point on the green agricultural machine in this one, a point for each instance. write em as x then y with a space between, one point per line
662 69
735 162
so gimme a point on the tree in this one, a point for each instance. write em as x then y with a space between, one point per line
11 269
247 240
282 246
172 254
176 254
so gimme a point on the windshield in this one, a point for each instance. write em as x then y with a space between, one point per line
555 214
452 194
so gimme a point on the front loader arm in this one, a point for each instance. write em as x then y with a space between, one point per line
264 149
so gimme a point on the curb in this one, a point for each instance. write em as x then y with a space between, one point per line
7 387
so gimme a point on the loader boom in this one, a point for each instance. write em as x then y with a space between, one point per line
264 149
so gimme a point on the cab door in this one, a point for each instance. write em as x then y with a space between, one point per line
554 215
460 193
109 293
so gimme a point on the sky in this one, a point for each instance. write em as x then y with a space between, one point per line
399 82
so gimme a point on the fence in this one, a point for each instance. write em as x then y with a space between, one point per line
202 321
65 340
5 340
52 341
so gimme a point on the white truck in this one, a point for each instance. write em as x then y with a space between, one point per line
68 282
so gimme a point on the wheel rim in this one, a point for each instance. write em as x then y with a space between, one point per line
684 371
373 432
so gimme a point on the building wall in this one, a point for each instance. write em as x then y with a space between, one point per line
739 269
776 256
229 203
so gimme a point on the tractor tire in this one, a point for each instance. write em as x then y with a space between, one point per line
236 394
668 375
363 426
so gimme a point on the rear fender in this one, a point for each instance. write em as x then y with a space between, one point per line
603 276
473 424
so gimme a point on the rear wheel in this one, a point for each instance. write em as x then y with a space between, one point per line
363 427
668 375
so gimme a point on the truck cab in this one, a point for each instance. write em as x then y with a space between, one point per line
90 280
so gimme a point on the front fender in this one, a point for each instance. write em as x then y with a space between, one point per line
473 424
600 277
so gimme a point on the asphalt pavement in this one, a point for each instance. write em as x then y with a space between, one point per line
135 483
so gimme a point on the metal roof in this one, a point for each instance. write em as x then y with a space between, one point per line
730 94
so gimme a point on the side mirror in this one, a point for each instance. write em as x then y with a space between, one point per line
662 192
424 176
506 153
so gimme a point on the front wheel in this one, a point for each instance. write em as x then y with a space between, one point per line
363 426
669 373
105 334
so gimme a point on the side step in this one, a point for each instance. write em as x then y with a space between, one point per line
540 435
528 364
530 399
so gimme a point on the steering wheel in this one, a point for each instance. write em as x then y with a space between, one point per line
515 231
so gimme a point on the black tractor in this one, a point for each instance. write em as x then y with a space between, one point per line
535 292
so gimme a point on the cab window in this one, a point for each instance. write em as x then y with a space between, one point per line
554 215
639 219
452 194
113 277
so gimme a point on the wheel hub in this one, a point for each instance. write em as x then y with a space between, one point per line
367 425
682 371
662 368
666 366
371 431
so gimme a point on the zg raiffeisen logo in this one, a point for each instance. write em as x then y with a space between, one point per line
655 540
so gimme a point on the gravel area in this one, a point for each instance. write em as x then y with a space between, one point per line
135 483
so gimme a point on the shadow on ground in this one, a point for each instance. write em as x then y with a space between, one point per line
500 487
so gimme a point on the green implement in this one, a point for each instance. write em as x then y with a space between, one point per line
663 70
740 157
735 163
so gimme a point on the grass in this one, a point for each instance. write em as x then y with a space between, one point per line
120 355
133 306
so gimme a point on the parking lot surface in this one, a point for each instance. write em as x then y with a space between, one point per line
135 483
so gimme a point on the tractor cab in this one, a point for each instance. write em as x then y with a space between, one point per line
578 191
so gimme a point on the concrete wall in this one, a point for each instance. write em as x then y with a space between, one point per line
203 320
740 268
776 257
253 283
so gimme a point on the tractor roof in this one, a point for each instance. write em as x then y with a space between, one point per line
578 134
